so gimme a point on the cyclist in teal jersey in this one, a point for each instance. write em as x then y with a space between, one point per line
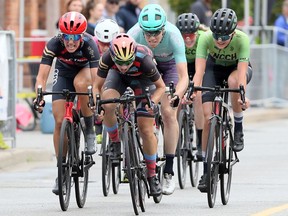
167 45
223 54
190 28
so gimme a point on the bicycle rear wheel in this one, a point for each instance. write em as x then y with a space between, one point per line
226 167
212 161
106 163
182 148
130 166
81 169
65 161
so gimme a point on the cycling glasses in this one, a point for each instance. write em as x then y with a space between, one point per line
121 63
221 37
152 33
69 37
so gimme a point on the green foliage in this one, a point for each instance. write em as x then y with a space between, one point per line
183 6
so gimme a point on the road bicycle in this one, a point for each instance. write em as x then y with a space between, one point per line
72 162
133 160
25 106
220 157
186 148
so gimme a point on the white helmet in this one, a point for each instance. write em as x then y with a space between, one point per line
106 30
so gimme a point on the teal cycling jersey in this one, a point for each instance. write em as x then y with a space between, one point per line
171 47
191 51
238 50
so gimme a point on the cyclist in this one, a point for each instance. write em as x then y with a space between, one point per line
168 47
190 28
104 32
77 55
223 54
131 65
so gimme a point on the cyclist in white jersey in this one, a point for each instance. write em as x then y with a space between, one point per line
167 45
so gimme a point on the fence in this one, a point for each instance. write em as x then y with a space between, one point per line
8 87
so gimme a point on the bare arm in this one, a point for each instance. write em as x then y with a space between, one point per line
42 76
183 79
97 81
160 90
200 70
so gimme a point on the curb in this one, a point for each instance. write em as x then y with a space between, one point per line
16 156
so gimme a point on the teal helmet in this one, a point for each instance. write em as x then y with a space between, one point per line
152 18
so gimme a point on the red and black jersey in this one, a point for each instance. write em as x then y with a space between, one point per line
144 64
86 53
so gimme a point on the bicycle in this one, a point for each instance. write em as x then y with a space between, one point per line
186 148
25 103
75 164
220 159
134 164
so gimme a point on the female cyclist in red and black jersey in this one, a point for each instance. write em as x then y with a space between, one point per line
77 57
128 64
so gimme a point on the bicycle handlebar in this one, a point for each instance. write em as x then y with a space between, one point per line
126 98
216 89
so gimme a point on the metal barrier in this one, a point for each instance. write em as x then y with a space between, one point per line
268 86
8 92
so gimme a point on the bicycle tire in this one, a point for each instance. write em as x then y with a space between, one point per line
65 167
182 149
226 166
106 163
160 173
116 177
81 170
130 169
193 163
31 125
212 162
160 154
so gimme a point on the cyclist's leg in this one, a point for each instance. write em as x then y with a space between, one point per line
238 144
81 81
171 127
113 88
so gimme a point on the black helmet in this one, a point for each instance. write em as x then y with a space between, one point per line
187 23
223 21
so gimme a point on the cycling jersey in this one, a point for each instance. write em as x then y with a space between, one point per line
97 43
238 49
191 51
87 53
143 64
171 47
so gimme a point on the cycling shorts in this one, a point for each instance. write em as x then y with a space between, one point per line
63 78
138 84
168 71
216 75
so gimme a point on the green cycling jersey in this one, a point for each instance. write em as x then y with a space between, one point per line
238 50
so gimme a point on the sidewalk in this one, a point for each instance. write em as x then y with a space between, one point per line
36 146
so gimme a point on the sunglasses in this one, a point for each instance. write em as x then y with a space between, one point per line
221 37
113 2
152 33
68 37
118 62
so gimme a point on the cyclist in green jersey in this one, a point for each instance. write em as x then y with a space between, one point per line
222 54
190 28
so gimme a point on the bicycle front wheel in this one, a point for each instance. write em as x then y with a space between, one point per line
226 167
81 169
212 161
65 160
182 148
130 167
106 163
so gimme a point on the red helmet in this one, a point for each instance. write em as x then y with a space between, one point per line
73 23
123 47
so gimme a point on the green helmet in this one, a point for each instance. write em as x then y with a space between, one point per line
152 18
